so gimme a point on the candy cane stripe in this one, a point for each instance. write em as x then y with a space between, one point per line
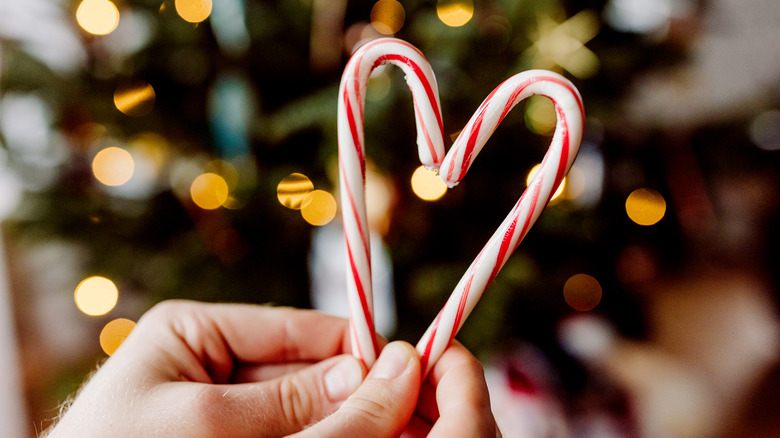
454 166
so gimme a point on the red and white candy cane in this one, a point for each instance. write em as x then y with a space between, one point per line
352 166
555 165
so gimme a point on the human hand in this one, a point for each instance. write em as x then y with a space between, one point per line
203 370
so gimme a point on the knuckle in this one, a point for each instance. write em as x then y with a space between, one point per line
295 401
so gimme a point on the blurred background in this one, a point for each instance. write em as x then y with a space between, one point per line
158 149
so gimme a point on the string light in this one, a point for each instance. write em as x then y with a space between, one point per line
455 13
96 296
293 189
645 206
582 292
113 166
135 98
319 208
98 17
388 16
193 11
114 334
209 191
427 184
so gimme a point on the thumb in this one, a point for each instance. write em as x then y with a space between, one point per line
384 403
291 402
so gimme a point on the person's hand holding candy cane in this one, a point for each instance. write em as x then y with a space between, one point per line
224 370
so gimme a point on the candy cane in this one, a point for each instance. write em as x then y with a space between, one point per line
430 141
555 165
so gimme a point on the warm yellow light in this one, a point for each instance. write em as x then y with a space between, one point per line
532 174
96 296
645 206
209 191
293 190
114 333
540 115
427 184
135 98
455 13
98 17
388 16
113 166
319 208
582 292
193 11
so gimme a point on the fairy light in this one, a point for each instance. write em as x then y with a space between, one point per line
98 17
193 11
455 13
319 208
582 292
645 206
135 98
293 189
114 334
388 16
113 166
427 184
209 191
96 295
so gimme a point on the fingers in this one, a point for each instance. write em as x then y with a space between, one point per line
219 335
383 405
273 408
462 397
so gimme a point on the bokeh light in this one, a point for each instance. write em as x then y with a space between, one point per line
209 191
764 130
455 13
388 16
427 184
96 296
319 208
193 11
114 333
645 206
639 16
582 292
293 189
98 17
540 115
532 173
113 166
135 98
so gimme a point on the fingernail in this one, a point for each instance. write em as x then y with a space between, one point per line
393 361
343 378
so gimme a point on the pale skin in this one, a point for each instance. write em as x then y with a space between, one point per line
229 370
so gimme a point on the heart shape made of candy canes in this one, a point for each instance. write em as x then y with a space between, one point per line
452 168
